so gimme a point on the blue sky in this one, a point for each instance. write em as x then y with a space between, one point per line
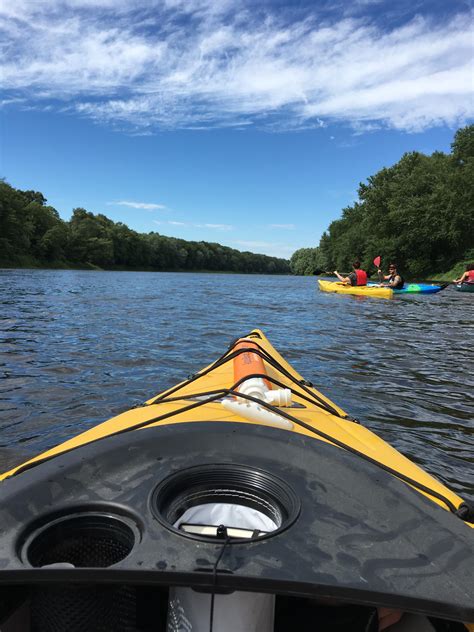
245 123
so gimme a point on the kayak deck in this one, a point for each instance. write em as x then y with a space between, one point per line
314 416
354 519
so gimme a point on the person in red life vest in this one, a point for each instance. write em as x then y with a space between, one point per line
356 277
468 276
395 280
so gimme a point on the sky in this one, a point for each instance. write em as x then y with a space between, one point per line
246 123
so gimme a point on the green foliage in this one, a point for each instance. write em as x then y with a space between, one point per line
307 261
89 239
463 144
15 229
419 212
32 233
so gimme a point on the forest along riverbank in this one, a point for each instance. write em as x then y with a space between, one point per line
95 241
79 347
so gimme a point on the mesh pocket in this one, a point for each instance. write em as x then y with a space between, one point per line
83 540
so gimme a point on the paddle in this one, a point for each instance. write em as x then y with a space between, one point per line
377 262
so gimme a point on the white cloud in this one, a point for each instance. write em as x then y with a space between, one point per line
283 226
269 248
253 244
167 64
142 205
223 227
217 226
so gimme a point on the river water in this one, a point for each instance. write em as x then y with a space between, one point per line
77 347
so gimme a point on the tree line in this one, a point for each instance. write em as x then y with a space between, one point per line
32 233
419 213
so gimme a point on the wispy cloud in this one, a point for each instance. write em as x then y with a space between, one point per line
252 244
222 227
270 248
167 64
142 205
263 244
217 226
283 226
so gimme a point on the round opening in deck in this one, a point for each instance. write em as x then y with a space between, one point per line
225 501
83 540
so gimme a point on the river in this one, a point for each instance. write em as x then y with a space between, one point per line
77 347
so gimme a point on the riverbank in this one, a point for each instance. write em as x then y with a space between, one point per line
92 267
29 263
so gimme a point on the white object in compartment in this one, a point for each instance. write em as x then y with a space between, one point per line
254 412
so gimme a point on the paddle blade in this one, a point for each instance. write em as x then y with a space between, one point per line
377 262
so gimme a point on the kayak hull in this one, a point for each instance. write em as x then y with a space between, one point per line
363 290
375 291
465 287
416 288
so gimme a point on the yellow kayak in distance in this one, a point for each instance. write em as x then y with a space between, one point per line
243 490
362 290
375 291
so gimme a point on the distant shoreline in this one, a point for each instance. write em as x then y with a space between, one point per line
93 268
437 278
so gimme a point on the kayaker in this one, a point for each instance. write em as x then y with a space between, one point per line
468 275
395 280
356 277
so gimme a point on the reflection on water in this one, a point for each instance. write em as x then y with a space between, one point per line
77 347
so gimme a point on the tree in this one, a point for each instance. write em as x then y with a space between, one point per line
53 243
28 227
90 241
463 144
307 261
15 230
417 212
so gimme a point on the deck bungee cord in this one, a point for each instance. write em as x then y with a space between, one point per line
464 511
241 381
227 357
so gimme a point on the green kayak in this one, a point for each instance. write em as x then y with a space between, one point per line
465 287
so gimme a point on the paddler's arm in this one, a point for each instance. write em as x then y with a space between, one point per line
461 279
341 278
395 281
382 277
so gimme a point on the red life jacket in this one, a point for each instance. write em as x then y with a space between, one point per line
361 277
470 276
